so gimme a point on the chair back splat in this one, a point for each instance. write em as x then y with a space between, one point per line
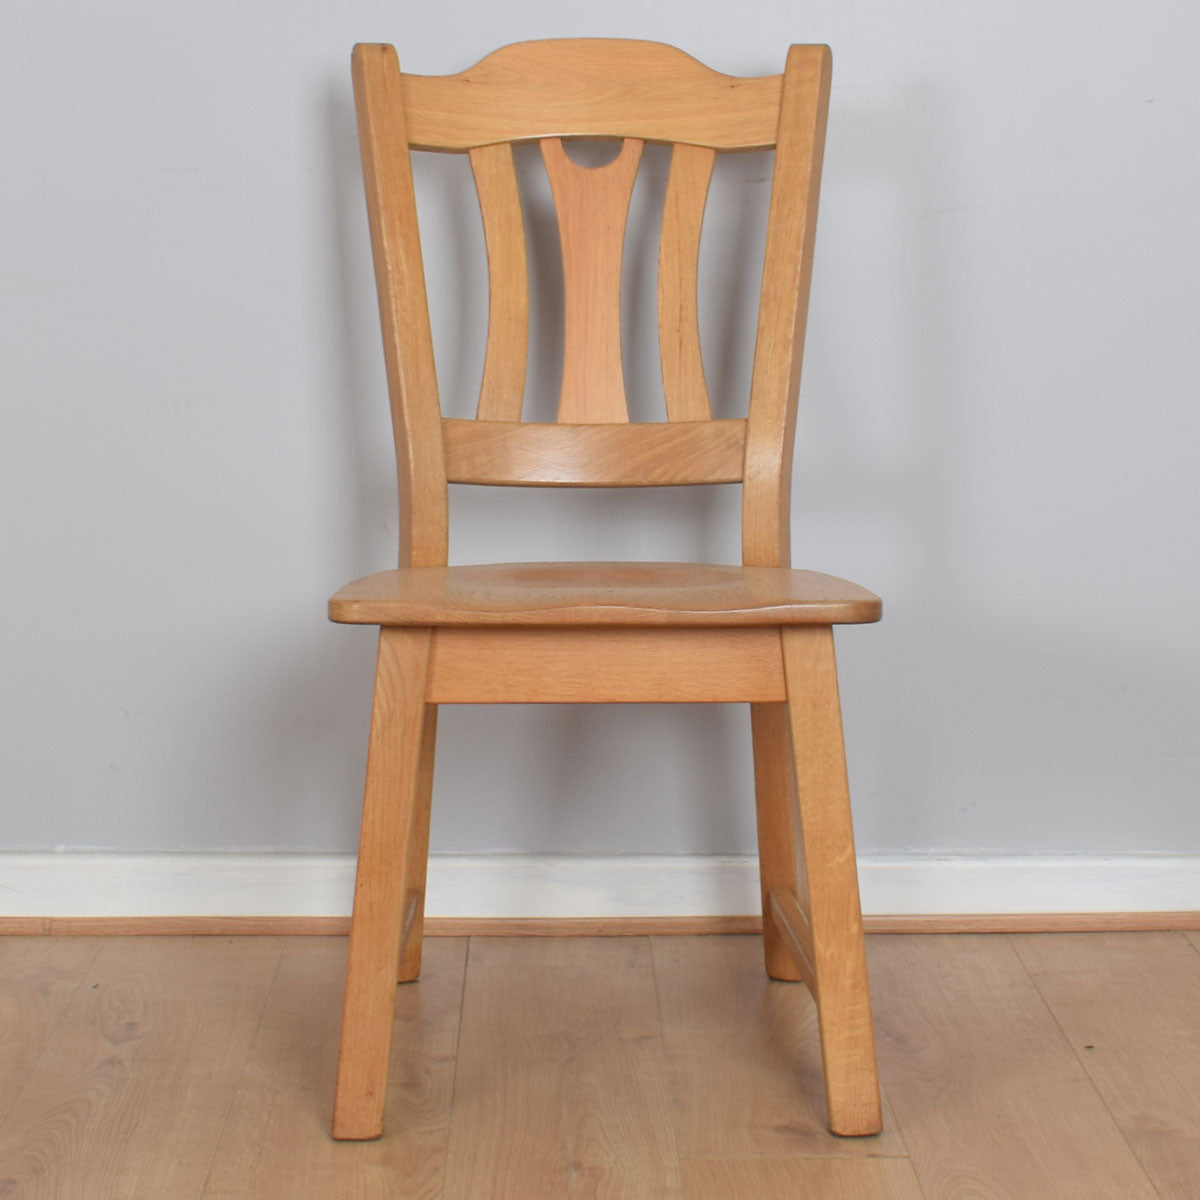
637 93
758 633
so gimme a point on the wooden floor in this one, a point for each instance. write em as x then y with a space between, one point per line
1036 1066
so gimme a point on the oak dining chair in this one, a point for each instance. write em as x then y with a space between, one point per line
759 632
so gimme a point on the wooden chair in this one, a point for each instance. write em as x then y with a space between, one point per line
607 632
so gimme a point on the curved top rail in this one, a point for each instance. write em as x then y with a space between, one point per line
591 87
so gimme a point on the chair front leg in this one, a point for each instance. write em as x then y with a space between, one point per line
390 801
832 913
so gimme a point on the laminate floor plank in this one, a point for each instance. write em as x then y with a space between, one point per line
1130 1005
39 977
800 1179
993 1103
743 1056
129 1097
277 1145
561 1083
1193 936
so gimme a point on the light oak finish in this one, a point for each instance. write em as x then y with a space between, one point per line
1130 1006
1084 922
593 87
561 1077
790 923
780 861
832 911
603 632
502 389
394 770
592 204
786 1179
1138 922
403 309
684 386
605 666
276 1143
196 1069
783 309
149 1051
541 595
38 981
990 1095
554 455
743 1057
412 933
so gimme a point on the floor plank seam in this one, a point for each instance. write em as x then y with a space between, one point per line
458 1032
51 1032
250 1045
797 1157
1137 1158
672 1124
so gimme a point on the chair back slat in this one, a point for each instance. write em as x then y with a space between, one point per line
591 87
684 388
601 455
502 389
592 204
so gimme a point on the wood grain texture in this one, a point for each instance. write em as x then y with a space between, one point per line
684 386
394 770
991 1098
831 906
197 1068
794 928
1192 937
592 204
788 1178
502 390
536 454
604 666
780 864
403 309
783 308
276 1144
39 977
605 593
744 1057
611 632
1130 1005
591 87
561 1086
201 926
130 1097
1083 922
413 930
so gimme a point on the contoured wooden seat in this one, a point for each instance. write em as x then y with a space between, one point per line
759 632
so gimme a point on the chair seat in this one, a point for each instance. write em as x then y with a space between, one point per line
603 593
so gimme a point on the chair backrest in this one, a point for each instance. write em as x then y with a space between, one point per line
638 92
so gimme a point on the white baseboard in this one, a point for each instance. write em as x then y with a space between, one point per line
519 885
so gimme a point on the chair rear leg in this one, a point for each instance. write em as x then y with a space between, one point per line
418 855
780 865
832 914
390 800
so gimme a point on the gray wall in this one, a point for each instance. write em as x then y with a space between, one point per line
999 432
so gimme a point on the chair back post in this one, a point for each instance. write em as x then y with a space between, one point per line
783 308
403 307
